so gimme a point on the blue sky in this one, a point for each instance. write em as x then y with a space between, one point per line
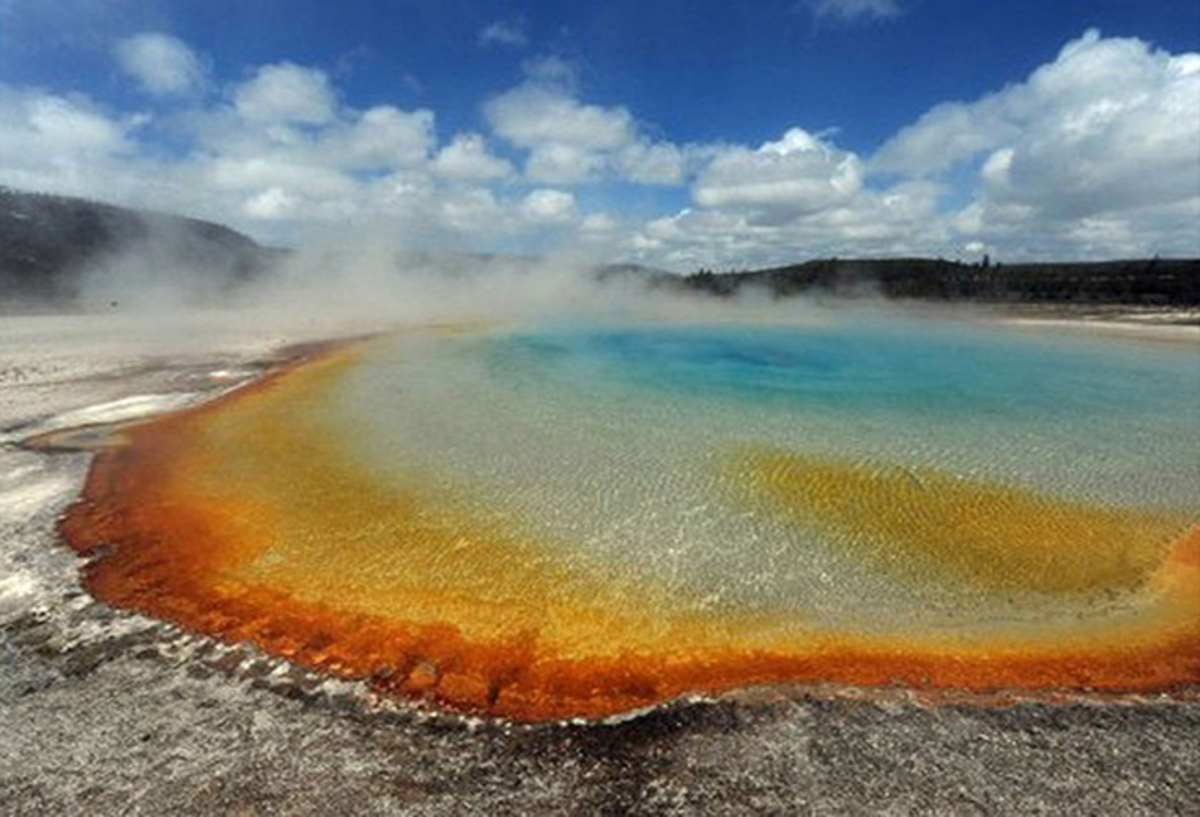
677 133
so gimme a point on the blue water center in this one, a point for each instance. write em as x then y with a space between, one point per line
620 442
878 366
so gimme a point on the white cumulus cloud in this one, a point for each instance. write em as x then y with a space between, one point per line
900 220
161 64
1092 155
1101 141
532 116
571 142
286 92
467 158
549 207
656 163
799 173
62 144
39 124
385 137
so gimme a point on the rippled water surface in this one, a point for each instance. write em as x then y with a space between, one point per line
623 444
580 520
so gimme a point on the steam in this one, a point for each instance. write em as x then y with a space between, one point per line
376 278
368 281
154 263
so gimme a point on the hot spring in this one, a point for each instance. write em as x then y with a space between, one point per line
559 520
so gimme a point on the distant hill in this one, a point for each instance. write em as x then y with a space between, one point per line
1139 282
50 245
62 252
633 273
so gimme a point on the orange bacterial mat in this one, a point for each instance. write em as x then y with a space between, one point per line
248 520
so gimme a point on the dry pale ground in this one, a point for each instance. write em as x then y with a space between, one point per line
106 712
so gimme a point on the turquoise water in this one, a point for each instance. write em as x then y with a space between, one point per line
614 441
882 367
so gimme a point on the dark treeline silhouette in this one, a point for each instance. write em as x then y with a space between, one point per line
1146 282
48 242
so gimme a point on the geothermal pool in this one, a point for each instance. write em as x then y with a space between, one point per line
561 520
